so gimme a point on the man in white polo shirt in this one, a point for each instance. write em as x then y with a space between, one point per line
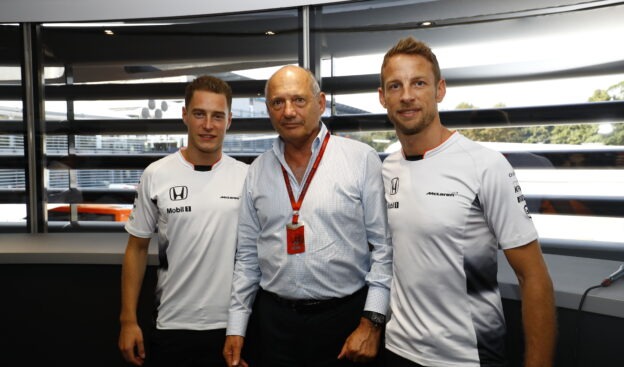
451 204
192 197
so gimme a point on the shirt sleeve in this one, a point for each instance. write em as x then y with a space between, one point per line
144 216
246 279
504 205
377 232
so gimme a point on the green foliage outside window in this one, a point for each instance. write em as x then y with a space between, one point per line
546 134
559 134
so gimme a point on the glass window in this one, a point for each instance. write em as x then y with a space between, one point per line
173 50
99 76
12 162
501 59
118 89
152 109
507 57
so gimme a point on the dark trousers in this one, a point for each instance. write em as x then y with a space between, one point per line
395 360
186 348
306 337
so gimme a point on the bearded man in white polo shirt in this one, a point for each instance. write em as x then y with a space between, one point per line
451 204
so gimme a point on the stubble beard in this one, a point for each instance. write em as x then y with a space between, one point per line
415 128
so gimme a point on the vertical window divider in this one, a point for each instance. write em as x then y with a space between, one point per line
34 120
71 147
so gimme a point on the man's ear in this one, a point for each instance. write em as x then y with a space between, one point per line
184 115
322 102
382 98
441 90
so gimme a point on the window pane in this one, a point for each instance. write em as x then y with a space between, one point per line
508 57
150 109
518 94
12 162
138 72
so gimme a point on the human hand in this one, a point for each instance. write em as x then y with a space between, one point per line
232 351
363 343
131 343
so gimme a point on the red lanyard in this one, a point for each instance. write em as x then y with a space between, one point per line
296 205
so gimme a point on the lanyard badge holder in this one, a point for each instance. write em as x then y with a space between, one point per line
295 239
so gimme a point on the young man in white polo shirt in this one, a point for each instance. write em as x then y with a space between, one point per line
192 197
451 204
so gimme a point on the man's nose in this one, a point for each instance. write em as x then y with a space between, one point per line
289 108
207 124
407 95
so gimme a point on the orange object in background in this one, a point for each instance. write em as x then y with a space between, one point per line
92 212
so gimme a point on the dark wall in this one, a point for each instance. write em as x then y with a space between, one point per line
67 315
599 343
64 315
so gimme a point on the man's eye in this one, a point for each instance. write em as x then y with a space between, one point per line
199 115
300 102
393 86
277 103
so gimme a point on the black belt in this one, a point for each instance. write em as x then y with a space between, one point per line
312 305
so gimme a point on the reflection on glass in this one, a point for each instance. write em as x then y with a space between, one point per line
518 94
12 213
12 179
11 144
507 58
173 50
11 110
58 181
146 109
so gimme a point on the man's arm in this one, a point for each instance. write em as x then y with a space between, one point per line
245 282
363 344
379 278
538 305
132 273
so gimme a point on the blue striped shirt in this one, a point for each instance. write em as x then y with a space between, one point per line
343 212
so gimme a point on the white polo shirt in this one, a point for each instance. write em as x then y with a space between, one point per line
196 213
448 214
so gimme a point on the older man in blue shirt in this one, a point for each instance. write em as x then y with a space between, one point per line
313 243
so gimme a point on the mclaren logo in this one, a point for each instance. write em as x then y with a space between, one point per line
445 194
178 193
394 186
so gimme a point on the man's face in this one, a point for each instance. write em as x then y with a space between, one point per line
295 112
410 93
207 118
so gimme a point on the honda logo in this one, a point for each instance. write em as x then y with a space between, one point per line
178 193
394 186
